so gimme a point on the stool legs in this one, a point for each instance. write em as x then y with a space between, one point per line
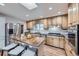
2 53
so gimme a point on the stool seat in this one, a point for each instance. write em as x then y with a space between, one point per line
28 52
8 47
16 51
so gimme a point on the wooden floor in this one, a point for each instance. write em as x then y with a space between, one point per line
46 50
50 51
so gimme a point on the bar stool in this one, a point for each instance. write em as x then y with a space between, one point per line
6 49
17 51
29 52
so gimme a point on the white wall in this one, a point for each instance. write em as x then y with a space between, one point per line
3 20
2 31
13 20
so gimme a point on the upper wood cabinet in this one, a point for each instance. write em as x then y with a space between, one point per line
30 24
59 20
73 14
54 21
33 24
50 22
65 22
70 16
45 22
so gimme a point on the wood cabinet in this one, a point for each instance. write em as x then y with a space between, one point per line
73 14
49 41
65 22
49 22
56 41
53 41
62 42
30 24
59 20
54 21
70 16
45 22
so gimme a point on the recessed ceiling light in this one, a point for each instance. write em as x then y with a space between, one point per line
41 16
59 12
26 15
50 8
74 9
2 4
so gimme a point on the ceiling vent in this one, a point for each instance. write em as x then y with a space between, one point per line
29 6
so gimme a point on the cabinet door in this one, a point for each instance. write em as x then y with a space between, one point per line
70 15
30 25
56 41
65 22
59 20
62 42
54 21
33 24
75 13
49 41
49 22
44 21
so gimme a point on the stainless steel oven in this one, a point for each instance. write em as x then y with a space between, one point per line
74 37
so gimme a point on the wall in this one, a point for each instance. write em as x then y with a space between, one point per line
13 20
2 31
6 19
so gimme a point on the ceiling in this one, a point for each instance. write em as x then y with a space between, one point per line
18 11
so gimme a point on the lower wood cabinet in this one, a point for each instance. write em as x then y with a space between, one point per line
62 42
56 41
49 41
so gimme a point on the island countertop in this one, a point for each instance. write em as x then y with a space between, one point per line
35 41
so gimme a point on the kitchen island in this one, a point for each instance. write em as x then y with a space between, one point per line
34 41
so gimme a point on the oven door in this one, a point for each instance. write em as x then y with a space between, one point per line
71 38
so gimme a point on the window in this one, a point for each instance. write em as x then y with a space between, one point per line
38 27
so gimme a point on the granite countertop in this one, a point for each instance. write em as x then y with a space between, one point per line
38 41
56 34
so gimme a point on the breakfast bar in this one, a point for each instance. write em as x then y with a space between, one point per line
34 41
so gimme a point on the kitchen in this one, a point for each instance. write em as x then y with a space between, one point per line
51 29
